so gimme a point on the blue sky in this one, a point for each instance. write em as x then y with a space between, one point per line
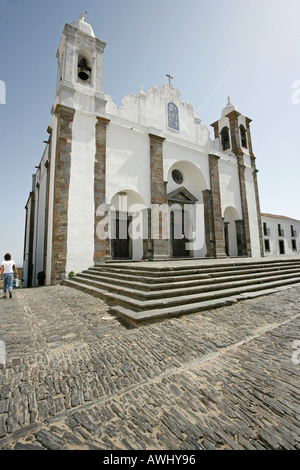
249 50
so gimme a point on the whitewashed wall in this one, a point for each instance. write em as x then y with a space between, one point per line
127 162
39 218
80 241
252 214
272 222
50 204
26 244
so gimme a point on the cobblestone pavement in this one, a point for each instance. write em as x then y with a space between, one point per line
76 378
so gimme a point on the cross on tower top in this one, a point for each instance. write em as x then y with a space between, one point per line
170 78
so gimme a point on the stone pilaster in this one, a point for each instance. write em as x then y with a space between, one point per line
147 242
234 131
255 171
65 117
240 237
241 171
215 125
209 223
102 248
218 227
160 246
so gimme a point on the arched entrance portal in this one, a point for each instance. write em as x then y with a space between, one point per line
186 210
127 212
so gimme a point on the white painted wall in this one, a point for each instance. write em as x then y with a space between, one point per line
272 222
80 240
26 244
51 196
230 185
252 213
39 238
39 189
127 162
150 110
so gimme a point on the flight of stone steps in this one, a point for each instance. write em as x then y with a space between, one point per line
140 293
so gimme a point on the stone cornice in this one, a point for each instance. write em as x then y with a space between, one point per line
103 120
157 137
60 108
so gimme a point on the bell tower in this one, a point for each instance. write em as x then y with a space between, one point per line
233 137
80 68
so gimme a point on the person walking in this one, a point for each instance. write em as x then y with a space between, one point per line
8 267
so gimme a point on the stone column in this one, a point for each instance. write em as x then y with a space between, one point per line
218 227
160 247
102 248
65 117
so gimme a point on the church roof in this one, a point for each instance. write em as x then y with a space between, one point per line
83 26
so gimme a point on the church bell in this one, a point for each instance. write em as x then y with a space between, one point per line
85 70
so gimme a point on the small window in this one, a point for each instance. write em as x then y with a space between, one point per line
267 245
280 231
281 247
177 176
243 136
266 230
293 231
173 117
294 245
225 138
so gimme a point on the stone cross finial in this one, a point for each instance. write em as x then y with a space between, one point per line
170 78
228 101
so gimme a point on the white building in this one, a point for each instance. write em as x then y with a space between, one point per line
281 235
111 170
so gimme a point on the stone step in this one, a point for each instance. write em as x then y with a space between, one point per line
127 300
180 282
173 273
143 292
139 318
136 312
148 294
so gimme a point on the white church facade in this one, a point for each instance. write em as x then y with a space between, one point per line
140 181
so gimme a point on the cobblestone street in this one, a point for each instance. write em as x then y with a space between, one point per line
77 378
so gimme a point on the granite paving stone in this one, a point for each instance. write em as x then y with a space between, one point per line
76 377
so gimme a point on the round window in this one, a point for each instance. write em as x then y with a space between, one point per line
177 176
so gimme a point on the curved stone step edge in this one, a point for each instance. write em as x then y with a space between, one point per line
142 318
201 269
185 283
145 296
139 305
